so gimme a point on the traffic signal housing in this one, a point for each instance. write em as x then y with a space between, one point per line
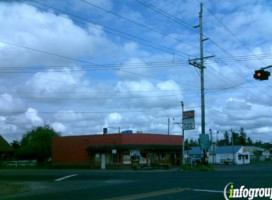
261 75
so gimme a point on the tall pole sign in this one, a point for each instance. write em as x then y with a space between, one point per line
188 120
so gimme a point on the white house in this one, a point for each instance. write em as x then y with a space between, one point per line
223 154
259 154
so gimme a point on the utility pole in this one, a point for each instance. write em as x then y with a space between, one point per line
182 127
199 63
168 126
182 110
232 143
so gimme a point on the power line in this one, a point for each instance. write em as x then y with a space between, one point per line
137 23
73 59
93 98
243 44
165 14
81 112
112 31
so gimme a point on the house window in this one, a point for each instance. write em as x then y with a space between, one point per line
239 157
246 157
161 156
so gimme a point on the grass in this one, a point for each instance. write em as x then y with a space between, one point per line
9 189
201 168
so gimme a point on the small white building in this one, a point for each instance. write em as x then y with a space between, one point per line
259 154
223 154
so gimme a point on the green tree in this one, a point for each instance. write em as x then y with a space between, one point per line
236 139
226 138
193 143
37 144
15 144
242 137
249 141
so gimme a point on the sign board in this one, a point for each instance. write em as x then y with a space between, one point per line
113 151
188 114
204 141
188 120
189 123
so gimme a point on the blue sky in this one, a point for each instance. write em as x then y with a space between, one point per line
84 65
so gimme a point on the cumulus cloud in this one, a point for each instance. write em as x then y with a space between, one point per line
32 115
113 119
58 127
10 104
28 27
146 85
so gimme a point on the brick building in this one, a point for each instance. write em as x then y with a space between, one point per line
117 150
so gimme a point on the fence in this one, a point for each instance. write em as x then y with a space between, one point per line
20 163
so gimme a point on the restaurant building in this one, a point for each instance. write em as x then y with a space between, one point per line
117 150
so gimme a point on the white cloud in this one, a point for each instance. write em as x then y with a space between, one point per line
10 104
26 26
58 127
78 98
113 118
32 115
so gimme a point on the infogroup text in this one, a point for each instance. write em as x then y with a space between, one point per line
250 193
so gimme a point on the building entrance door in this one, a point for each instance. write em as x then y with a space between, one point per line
103 161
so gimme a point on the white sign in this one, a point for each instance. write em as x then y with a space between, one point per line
113 151
189 123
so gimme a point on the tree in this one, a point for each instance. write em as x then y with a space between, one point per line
236 139
37 143
226 138
249 141
242 137
15 144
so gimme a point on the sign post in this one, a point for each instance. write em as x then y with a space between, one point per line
188 120
188 123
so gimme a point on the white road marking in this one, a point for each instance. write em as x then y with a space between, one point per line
212 191
65 177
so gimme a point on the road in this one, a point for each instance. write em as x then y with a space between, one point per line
127 184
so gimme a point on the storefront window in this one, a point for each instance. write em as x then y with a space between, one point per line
115 158
161 156
126 159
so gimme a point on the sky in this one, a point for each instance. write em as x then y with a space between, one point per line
82 65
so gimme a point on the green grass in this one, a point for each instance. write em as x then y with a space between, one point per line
9 189
201 168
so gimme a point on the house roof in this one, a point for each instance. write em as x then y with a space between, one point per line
218 150
251 149
4 145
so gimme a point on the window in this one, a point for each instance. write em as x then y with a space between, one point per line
135 158
161 156
115 158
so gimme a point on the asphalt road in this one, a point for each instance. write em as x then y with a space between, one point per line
128 185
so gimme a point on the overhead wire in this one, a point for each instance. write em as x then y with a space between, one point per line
107 28
130 65
137 23
173 18
232 33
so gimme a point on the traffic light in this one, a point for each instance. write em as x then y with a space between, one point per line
261 75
